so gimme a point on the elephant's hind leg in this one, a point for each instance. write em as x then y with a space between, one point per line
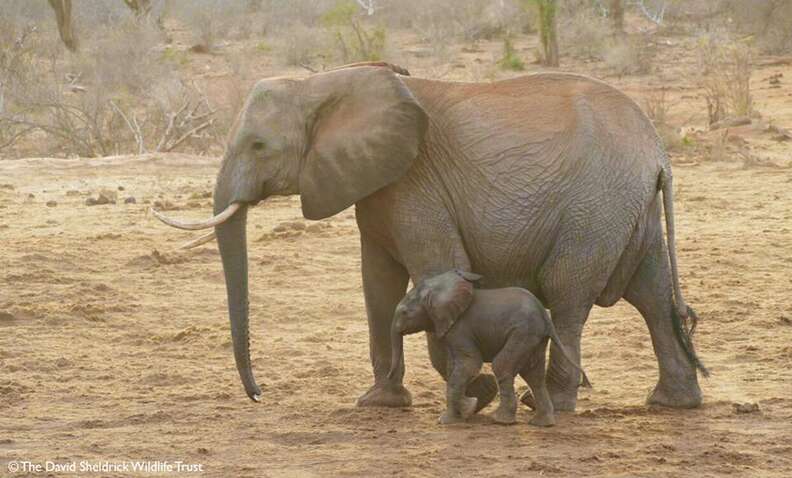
563 379
510 361
384 285
650 292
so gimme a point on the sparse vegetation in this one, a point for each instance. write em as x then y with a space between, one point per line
140 63
724 75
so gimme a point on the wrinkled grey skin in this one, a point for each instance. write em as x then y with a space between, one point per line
507 327
550 182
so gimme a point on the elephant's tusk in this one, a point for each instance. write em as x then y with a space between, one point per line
194 226
199 241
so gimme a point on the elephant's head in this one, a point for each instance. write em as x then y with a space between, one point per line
434 305
334 138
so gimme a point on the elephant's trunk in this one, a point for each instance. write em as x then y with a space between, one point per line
397 350
232 241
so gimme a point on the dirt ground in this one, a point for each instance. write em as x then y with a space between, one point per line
116 347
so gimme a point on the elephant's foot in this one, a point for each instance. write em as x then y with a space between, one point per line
528 400
542 420
563 400
484 388
393 396
677 397
504 417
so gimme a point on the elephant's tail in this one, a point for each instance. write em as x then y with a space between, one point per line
681 314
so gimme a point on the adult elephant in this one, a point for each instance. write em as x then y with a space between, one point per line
551 182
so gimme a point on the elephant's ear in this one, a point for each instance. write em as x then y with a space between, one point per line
447 297
365 132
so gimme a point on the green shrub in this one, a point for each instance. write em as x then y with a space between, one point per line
353 41
341 15
510 60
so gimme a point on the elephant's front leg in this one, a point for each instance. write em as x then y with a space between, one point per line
460 407
483 388
384 285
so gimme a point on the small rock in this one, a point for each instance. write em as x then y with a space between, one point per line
121 188
104 197
130 200
31 196
746 407
785 320
72 192
203 451
52 203
62 363
10 187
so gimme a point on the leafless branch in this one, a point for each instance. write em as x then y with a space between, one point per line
133 126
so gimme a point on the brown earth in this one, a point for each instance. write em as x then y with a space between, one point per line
115 347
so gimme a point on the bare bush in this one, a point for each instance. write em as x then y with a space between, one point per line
209 21
724 75
298 45
657 107
15 68
442 22
110 98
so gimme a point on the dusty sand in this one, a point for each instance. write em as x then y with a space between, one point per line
115 347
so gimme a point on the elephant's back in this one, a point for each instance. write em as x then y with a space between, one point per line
539 160
541 120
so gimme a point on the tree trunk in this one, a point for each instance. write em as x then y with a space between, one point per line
617 16
547 32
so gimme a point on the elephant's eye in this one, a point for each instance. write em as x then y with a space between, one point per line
258 146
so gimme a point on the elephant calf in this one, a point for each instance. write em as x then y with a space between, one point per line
508 327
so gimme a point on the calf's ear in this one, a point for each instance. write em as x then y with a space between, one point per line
447 297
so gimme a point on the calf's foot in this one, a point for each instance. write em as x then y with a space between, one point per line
528 400
467 407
